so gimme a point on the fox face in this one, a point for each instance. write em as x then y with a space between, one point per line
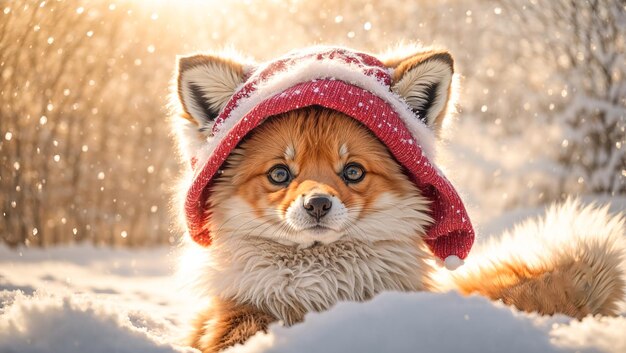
308 207
314 176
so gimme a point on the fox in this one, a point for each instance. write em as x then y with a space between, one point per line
313 180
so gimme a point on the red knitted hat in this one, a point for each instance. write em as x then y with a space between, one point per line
359 86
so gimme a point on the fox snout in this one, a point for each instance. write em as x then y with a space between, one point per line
317 198
317 206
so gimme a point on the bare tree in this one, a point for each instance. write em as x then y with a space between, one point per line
70 111
581 44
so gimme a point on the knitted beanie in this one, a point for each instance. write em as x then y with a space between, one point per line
359 86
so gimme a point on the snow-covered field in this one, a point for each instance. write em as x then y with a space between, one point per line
87 299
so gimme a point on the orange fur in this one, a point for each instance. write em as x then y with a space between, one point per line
225 324
317 136
548 291
568 284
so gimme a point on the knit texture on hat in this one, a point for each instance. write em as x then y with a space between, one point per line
352 83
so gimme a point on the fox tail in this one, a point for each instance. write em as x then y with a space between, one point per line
570 261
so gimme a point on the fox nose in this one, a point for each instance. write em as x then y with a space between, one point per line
317 206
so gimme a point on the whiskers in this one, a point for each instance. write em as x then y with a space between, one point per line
389 218
245 225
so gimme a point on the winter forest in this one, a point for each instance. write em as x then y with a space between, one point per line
88 164
86 147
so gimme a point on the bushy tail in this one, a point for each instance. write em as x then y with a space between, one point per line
571 261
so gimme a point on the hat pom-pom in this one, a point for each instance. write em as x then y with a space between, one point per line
453 262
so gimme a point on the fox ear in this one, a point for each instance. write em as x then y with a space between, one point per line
424 81
205 84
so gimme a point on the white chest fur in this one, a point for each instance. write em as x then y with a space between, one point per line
290 282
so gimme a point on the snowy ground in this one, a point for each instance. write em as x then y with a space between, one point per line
86 299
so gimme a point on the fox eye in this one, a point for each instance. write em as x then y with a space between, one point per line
353 173
279 174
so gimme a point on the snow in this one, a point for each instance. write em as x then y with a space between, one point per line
408 322
75 322
83 298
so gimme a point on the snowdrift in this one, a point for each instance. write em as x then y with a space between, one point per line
85 299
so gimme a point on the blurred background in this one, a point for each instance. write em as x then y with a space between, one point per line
85 146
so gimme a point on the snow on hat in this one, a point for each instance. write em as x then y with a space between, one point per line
353 83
